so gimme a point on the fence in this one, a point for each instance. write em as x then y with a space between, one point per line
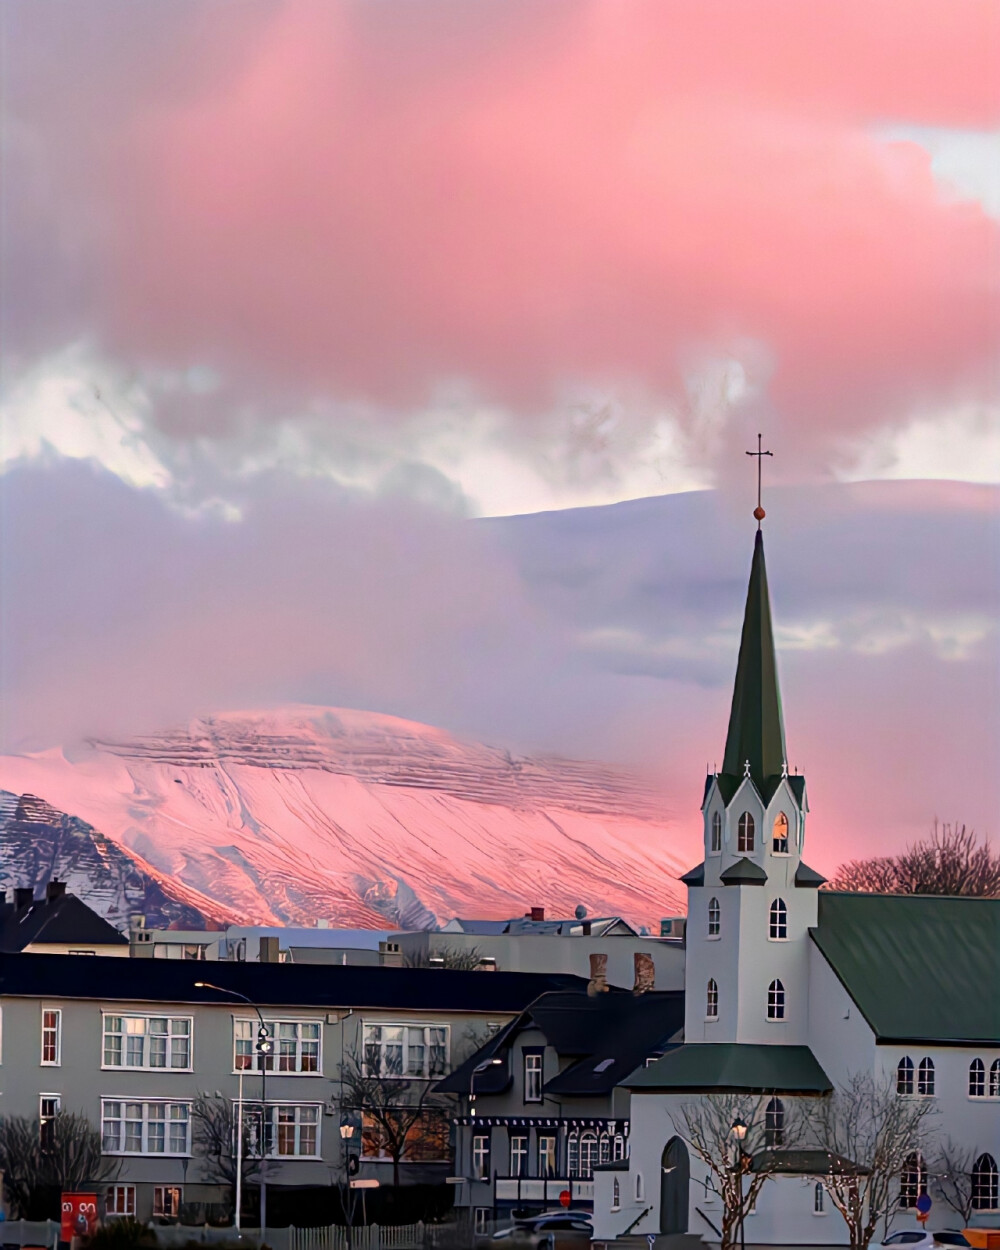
29 1233
359 1237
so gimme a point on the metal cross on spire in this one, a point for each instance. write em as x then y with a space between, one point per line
759 511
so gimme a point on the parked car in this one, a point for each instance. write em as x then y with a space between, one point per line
913 1239
560 1230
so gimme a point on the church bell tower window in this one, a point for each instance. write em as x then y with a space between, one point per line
779 836
745 834
716 843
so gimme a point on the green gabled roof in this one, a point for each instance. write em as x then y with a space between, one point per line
743 872
734 1066
808 877
756 732
920 968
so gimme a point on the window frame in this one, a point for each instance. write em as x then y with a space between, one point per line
129 1202
616 1194
926 1078
777 921
45 1117
914 1188
819 1199
905 1077
274 1127
480 1156
56 1031
714 921
529 1055
777 1002
993 1080
406 1025
271 1063
162 1190
593 1153
775 838
976 1087
746 834
711 1000
123 1120
544 1156
145 1066
992 1183
715 834
518 1158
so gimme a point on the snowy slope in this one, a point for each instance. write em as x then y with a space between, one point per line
308 812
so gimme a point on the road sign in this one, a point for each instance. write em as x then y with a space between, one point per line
924 1204
650 1238
364 1184
565 1198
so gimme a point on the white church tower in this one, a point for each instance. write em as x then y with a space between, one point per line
752 901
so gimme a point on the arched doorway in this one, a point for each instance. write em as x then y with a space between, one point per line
675 1175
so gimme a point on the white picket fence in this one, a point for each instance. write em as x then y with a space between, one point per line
358 1237
29 1233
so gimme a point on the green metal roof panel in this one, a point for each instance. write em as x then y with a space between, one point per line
743 872
806 1163
696 876
808 877
919 967
726 1066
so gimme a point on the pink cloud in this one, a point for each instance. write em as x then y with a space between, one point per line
374 201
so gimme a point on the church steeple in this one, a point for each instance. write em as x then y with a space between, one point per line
756 733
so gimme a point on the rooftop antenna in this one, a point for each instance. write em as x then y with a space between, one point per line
759 512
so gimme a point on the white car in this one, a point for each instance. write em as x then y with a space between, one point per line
914 1239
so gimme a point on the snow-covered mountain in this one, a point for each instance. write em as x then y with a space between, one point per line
304 813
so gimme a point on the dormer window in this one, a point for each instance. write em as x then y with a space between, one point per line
779 835
714 918
716 843
745 834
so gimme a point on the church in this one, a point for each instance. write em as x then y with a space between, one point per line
792 991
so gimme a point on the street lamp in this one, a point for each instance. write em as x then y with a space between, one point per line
264 1047
739 1131
480 1067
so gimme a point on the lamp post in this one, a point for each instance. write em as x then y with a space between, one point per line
346 1133
739 1131
264 1047
480 1067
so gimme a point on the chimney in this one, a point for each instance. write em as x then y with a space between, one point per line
3 898
54 891
268 950
538 913
598 983
645 973
24 896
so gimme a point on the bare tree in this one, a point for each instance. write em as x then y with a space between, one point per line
738 1166
213 1133
38 1160
951 1177
868 1132
451 959
400 1116
950 861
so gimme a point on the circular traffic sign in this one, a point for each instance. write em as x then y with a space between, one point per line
565 1198
924 1204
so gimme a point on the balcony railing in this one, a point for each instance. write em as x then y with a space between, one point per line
541 1189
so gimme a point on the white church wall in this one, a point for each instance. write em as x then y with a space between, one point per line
839 1035
712 957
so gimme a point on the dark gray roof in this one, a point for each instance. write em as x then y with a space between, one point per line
695 877
919 967
808 877
743 872
734 1066
61 919
805 1163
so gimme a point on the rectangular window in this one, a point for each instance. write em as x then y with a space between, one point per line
296 1046
482 1219
417 1050
546 1155
48 1109
119 1200
819 1199
518 1156
294 1131
532 1076
148 1042
51 1037
167 1201
145 1128
481 1158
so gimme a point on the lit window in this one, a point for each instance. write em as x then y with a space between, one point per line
294 1131
913 1181
295 1045
714 918
977 1079
148 1042
716 843
532 1076
819 1199
779 835
145 1128
406 1050
119 1200
48 1109
985 1187
51 1037
712 1001
167 1201
925 1078
518 1156
775 1001
774 1123
588 1154
744 843
904 1075
481 1157
995 1079
616 1195
546 1155
778 921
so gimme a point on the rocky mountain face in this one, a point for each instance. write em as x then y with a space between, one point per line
365 820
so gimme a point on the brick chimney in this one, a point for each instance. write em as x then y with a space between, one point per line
538 913
598 983
269 950
645 973
55 890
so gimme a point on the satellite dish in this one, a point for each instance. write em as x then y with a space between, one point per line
581 911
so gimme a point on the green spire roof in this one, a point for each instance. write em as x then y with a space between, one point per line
756 733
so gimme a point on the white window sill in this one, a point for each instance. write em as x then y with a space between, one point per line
782 854
713 937
121 1067
776 939
148 1154
775 1020
711 1019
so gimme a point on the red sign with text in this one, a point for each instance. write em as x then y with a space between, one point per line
79 1216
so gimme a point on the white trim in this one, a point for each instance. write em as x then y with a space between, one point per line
57 1062
274 1069
146 1066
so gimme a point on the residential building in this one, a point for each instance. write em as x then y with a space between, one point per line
57 924
319 944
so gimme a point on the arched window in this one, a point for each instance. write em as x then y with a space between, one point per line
985 1186
913 1181
779 835
712 1001
904 1075
775 1001
925 1077
774 1124
819 1198
616 1194
716 833
640 1191
618 1148
744 842
714 918
977 1079
777 929
573 1154
605 1148
588 1154
995 1079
